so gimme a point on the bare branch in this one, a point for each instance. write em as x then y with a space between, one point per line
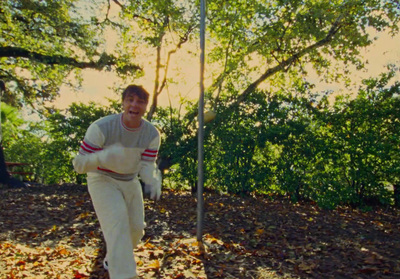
119 4
159 88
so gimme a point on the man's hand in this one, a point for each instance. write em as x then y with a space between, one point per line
111 156
151 176
115 158
153 190
119 159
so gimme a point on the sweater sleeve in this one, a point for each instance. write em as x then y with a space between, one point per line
87 160
149 171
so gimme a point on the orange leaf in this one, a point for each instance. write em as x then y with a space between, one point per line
80 203
83 215
259 232
149 245
20 263
63 252
155 265
78 275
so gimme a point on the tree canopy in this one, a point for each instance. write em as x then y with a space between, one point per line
272 134
277 41
42 42
250 43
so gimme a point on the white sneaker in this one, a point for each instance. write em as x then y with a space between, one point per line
105 264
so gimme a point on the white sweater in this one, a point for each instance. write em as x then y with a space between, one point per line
140 149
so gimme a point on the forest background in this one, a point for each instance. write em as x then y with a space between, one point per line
275 132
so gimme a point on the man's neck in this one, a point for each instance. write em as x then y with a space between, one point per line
134 124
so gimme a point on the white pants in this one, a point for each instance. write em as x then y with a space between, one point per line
119 208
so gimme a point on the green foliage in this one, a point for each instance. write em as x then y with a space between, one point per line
44 28
365 138
296 145
66 131
272 42
234 148
285 141
178 144
51 145
10 122
22 143
43 42
345 153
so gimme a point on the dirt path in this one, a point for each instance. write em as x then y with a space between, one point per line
52 232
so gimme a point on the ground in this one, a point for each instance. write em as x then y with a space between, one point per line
52 232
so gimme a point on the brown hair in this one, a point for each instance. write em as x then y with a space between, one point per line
136 90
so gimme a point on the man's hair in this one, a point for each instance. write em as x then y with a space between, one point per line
136 90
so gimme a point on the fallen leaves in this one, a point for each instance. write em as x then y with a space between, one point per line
155 265
52 232
21 260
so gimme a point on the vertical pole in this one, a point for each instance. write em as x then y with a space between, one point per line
4 175
2 89
200 169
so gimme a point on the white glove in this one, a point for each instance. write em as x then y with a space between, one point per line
119 159
111 156
85 163
152 182
153 190
115 158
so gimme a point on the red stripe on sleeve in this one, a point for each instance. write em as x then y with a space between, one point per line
107 170
87 147
149 155
87 150
150 151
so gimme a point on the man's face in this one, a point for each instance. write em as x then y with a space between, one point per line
134 107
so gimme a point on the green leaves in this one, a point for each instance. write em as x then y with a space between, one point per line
279 139
268 41
42 43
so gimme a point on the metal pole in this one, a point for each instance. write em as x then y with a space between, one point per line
200 169
2 89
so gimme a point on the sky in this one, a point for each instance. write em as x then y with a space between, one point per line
385 50
97 86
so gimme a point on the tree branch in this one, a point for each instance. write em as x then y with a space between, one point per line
159 88
286 63
104 60
133 15
118 3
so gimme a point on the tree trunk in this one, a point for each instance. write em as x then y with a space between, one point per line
4 175
396 188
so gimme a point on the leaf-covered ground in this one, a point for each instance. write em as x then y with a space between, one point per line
52 232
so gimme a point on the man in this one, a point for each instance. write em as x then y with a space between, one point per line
115 150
